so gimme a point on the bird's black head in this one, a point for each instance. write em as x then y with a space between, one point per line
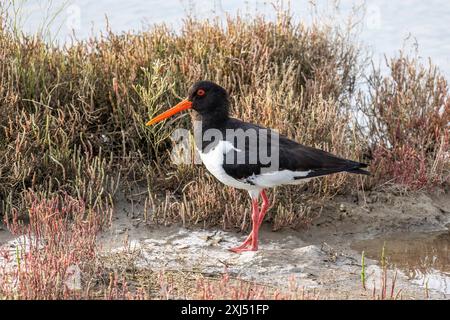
209 100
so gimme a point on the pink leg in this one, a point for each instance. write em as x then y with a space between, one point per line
257 219
255 229
255 225
265 206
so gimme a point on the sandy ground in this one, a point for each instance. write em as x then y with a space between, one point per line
325 257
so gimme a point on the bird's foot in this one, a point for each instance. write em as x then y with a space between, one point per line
247 245
245 249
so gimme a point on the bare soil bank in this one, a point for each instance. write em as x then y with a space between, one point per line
324 258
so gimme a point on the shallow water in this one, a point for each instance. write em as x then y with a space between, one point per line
423 257
384 26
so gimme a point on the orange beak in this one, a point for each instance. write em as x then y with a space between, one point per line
183 105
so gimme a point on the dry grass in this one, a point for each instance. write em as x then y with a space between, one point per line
72 133
72 120
58 239
408 117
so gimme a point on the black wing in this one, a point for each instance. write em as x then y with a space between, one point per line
292 156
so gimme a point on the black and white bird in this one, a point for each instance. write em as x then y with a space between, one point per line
250 157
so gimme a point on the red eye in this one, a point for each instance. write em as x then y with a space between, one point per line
201 92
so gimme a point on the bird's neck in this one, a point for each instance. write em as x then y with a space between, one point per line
206 128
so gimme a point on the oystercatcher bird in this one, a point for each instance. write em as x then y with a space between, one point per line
250 157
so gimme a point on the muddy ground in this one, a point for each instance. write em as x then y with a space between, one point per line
324 258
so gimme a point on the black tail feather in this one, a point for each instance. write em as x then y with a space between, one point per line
354 168
359 171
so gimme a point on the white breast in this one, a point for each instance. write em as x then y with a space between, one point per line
277 178
213 161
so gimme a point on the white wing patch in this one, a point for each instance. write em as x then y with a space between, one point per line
213 161
276 178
